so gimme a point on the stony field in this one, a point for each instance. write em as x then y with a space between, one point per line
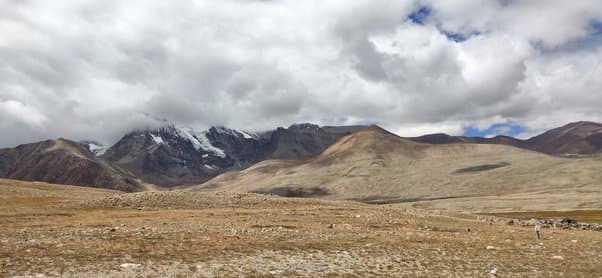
175 234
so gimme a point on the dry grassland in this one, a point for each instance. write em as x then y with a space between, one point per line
49 230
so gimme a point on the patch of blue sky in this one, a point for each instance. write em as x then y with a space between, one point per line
420 15
511 130
595 28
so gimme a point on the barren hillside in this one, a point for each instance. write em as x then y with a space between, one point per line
376 166
64 162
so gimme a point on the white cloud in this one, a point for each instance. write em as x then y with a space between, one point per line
96 69
414 130
12 110
551 22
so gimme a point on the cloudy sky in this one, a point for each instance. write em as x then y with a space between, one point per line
96 69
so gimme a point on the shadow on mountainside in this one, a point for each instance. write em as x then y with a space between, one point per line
479 168
289 191
383 200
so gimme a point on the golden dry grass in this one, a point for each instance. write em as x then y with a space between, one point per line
276 238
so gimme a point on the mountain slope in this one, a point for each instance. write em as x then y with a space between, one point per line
172 156
374 165
306 140
64 162
167 156
573 138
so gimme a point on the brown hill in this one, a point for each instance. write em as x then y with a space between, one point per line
63 162
573 138
373 165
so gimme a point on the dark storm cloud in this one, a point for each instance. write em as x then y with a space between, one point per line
97 69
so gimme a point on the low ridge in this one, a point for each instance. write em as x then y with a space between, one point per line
581 138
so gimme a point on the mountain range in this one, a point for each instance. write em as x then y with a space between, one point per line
173 156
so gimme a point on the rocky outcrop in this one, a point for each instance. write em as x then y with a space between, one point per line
549 223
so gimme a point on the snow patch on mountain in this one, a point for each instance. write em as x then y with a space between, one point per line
206 145
248 135
200 141
95 147
237 133
157 139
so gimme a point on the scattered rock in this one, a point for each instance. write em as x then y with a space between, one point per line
557 258
489 247
561 223
130 266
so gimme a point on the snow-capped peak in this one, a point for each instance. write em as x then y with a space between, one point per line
199 140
